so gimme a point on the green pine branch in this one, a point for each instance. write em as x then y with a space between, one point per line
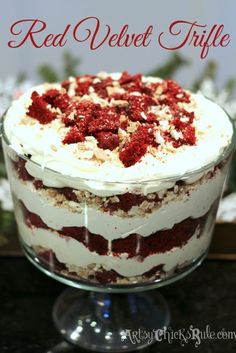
70 68
70 64
209 72
172 65
230 86
47 73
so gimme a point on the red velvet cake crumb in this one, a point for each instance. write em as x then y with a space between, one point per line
166 240
132 153
32 219
100 87
65 84
21 170
137 147
126 245
82 87
39 109
100 105
93 241
189 136
50 259
107 140
38 184
50 96
126 78
126 202
132 83
105 277
133 245
78 233
98 243
174 93
107 121
139 105
62 102
74 135
68 193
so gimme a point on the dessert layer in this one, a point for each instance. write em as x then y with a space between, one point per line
74 253
162 126
194 202
93 272
133 245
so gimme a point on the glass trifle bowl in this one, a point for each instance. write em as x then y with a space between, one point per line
116 181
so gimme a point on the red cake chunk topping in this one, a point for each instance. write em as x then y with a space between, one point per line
129 115
39 109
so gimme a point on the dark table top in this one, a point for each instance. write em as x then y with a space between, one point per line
205 297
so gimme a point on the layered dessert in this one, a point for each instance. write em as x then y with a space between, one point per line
116 178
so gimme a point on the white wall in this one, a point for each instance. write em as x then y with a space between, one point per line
138 13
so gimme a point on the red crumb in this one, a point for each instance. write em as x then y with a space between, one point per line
189 136
104 277
82 87
126 245
137 147
101 87
21 170
56 99
132 83
175 93
139 105
132 153
126 202
38 184
65 84
68 193
50 95
74 135
98 243
102 120
32 219
78 233
48 256
107 140
107 121
39 109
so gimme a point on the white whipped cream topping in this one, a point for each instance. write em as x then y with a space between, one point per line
213 128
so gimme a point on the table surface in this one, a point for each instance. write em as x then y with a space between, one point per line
205 297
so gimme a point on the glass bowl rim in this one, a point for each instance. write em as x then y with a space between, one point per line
191 172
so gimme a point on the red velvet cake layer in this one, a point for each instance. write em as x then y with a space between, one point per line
133 245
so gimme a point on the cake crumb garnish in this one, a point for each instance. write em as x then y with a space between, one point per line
129 115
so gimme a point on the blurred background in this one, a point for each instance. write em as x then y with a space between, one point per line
138 14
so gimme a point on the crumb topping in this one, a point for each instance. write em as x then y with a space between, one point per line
129 115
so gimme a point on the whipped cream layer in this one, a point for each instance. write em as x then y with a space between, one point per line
194 205
74 253
44 144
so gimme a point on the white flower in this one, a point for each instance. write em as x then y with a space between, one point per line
10 89
227 209
222 97
5 195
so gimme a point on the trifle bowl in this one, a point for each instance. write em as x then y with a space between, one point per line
116 181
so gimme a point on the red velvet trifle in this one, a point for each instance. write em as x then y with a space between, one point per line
116 178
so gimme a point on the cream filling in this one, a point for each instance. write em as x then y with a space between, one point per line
112 227
73 253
